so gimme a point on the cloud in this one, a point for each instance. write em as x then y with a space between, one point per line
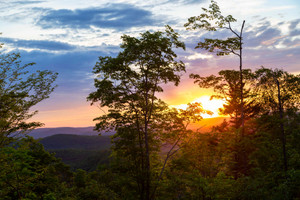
74 75
66 63
272 35
12 6
74 67
199 56
255 38
294 27
273 40
291 43
294 24
38 44
27 2
186 1
295 32
264 44
114 16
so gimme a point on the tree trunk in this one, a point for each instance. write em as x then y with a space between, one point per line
147 142
283 139
241 78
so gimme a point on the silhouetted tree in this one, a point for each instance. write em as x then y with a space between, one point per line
128 85
279 92
20 90
212 20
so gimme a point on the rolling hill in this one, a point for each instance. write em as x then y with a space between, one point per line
45 132
83 148
83 142
79 151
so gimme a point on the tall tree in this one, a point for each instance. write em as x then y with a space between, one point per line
275 87
226 86
128 85
279 92
212 20
20 89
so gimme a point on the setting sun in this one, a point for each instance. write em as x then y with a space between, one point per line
207 104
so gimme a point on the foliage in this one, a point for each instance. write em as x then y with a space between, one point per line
227 87
211 20
154 153
20 90
127 85
83 142
29 172
87 160
267 89
127 82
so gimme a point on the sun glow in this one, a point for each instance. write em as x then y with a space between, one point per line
207 104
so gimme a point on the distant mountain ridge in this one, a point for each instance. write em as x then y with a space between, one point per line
204 125
82 148
46 132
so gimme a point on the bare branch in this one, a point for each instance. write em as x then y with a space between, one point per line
233 30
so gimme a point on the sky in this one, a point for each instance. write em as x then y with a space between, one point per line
68 36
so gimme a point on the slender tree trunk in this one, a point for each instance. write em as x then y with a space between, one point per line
283 139
169 154
240 154
142 167
147 143
147 163
241 78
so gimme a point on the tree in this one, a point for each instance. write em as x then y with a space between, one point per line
279 92
174 133
212 20
276 157
275 87
226 86
30 172
128 85
20 90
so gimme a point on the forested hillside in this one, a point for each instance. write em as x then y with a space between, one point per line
66 141
78 151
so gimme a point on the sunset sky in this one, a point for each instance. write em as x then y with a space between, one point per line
67 36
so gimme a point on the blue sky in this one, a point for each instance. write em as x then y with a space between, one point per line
67 36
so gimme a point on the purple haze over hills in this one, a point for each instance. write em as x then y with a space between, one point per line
45 132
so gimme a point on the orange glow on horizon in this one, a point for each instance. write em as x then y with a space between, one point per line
207 104
80 117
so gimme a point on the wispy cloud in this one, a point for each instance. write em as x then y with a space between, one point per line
199 56
273 40
114 16
38 44
185 1
256 38
11 5
27 2
72 68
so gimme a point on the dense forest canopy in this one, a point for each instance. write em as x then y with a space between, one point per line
155 154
